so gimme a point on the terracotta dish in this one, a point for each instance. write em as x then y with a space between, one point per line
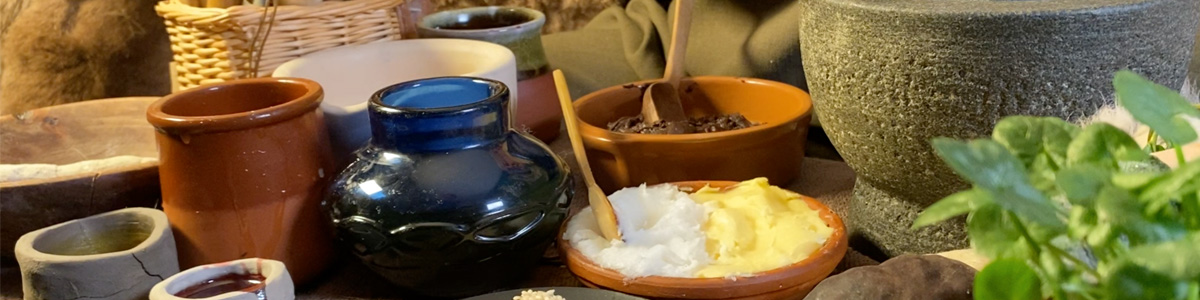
772 149
67 134
790 282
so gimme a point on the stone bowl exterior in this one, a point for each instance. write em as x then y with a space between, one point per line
888 76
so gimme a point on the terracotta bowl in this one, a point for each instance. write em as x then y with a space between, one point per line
773 149
67 134
790 282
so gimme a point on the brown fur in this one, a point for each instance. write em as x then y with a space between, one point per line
62 51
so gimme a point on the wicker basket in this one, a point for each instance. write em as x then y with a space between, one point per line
218 44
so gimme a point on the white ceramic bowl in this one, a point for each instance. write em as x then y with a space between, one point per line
351 74
277 285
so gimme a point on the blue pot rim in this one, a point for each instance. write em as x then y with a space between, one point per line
496 96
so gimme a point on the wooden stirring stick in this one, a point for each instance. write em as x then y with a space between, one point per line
661 100
600 205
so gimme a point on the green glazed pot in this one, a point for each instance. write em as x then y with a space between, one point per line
519 29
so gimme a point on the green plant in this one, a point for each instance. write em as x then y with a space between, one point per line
1066 212
1155 144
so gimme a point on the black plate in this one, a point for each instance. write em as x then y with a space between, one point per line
570 293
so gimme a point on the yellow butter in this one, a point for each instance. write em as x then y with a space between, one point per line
755 227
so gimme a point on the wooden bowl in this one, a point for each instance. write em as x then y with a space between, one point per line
774 149
71 133
790 282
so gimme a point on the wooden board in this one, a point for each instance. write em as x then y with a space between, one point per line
67 134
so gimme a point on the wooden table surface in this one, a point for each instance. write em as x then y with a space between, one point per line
827 180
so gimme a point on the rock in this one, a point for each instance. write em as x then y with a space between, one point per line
888 76
916 277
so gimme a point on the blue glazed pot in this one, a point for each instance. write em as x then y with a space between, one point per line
446 199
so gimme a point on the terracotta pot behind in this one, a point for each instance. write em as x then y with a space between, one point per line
244 165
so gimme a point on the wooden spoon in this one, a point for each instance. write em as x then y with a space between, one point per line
599 202
661 100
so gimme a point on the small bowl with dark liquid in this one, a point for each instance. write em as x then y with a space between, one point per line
251 278
98 255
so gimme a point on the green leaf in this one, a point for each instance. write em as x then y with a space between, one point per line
1081 183
1007 279
1150 166
1040 143
1118 208
1179 259
1029 138
949 207
1101 236
993 233
1104 144
1053 269
1189 207
1133 181
1159 107
991 167
1081 222
1178 182
1130 281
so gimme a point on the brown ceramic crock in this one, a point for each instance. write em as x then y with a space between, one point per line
773 149
790 282
244 165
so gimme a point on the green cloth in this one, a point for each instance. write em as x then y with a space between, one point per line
748 38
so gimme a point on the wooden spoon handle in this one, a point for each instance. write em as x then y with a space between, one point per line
572 123
605 216
679 38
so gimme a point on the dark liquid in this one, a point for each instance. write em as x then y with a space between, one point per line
224 284
488 21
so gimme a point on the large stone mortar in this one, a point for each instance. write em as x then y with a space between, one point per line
1194 68
889 75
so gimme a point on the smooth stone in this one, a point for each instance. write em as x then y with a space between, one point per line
915 277
888 76
277 284
114 255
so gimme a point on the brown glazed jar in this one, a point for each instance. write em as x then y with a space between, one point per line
244 165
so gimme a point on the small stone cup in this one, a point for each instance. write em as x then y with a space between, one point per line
115 255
